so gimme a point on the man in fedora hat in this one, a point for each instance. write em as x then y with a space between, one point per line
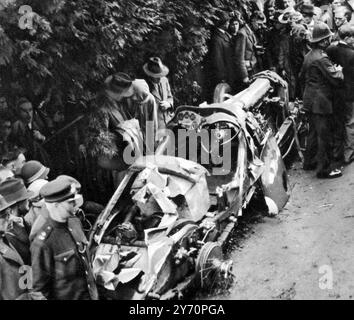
159 85
11 285
123 102
60 261
308 12
321 79
132 97
15 192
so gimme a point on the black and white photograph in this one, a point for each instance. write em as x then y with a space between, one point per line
194 152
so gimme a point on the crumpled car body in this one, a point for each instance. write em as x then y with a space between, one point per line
147 242
164 228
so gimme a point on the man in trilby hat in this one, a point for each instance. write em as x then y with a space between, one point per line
159 85
11 262
308 12
15 192
125 106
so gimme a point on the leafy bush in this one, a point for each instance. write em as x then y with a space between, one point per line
75 44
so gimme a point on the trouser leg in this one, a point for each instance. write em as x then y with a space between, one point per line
338 139
324 150
349 132
310 160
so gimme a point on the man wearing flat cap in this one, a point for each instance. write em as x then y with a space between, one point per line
159 85
61 266
11 262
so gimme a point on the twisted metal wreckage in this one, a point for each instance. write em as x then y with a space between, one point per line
164 228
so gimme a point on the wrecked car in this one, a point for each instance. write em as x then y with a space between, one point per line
274 111
164 229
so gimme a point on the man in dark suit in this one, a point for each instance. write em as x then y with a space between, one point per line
219 61
343 55
60 260
245 56
321 78
29 131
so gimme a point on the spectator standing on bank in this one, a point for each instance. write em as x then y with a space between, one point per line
321 79
6 145
159 85
29 131
308 13
14 160
11 261
343 55
219 66
14 191
245 55
342 16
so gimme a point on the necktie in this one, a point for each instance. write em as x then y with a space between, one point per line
160 90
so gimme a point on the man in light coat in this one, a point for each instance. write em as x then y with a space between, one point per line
159 85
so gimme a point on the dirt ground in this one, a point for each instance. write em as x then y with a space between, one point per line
307 251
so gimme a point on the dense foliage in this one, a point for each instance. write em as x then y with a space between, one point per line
74 44
61 52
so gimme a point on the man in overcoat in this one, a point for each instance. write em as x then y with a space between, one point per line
321 79
343 55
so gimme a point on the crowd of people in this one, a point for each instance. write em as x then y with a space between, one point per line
310 44
44 220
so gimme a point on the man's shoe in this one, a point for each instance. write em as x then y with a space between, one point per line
336 173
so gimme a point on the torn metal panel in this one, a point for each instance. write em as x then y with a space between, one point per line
171 165
274 177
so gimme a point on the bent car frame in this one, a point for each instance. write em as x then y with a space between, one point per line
164 229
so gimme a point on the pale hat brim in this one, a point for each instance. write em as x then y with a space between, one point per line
165 71
322 38
42 173
6 206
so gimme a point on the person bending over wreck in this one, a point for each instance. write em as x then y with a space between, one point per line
122 98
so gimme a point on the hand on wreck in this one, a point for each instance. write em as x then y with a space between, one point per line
164 105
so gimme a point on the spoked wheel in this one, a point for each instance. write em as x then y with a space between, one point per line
211 266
